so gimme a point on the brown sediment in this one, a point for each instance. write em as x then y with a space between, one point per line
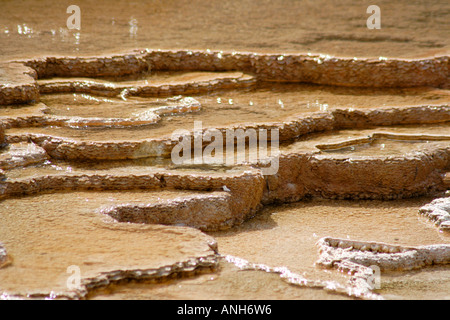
304 174
411 29
307 174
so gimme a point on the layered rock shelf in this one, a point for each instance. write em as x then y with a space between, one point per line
438 211
362 259
211 197
319 69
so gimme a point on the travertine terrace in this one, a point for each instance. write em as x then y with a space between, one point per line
36 162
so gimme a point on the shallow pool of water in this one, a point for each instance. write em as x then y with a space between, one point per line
286 235
408 28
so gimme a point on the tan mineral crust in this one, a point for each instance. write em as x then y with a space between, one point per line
359 258
65 235
21 155
438 211
229 197
17 84
91 200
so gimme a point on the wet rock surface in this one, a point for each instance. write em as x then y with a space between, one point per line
66 229
233 195
17 84
92 201
21 155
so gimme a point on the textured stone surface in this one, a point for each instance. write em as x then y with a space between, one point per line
337 252
203 212
196 83
438 211
21 155
361 259
288 130
383 177
115 65
220 210
380 136
17 84
318 69
81 242
233 196
237 205
38 117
